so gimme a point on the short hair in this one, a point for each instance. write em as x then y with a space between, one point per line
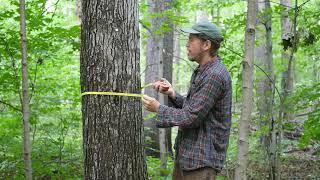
215 43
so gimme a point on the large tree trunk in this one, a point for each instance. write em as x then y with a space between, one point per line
247 89
112 125
25 91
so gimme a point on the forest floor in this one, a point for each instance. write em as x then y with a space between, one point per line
295 164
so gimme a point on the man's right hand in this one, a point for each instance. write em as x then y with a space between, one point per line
163 86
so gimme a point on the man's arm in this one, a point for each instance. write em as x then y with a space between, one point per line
195 109
177 100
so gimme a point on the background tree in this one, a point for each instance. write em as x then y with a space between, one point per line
112 125
166 72
154 58
247 89
25 94
287 37
159 52
265 82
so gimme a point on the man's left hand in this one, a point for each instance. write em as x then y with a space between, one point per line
150 104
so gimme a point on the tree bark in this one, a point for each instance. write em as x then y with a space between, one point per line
265 82
25 92
78 10
167 55
288 39
159 64
176 56
272 141
247 89
109 61
153 60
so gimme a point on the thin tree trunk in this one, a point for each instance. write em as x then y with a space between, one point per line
78 10
272 144
218 14
288 41
176 56
166 70
25 98
287 80
215 16
109 62
153 60
159 64
265 82
162 133
247 89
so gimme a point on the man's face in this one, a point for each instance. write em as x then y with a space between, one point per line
194 48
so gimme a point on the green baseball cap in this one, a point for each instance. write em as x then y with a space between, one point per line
207 28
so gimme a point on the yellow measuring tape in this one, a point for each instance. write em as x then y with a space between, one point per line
117 93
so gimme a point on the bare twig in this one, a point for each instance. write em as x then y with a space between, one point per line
290 6
303 4
233 51
271 81
11 106
47 9
306 114
144 26
147 66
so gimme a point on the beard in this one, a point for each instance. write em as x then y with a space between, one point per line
196 57
192 59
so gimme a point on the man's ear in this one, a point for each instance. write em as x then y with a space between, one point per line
207 44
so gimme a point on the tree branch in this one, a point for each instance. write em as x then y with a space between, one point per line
271 81
11 106
303 3
306 114
144 26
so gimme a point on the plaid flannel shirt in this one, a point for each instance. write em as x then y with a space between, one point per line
203 117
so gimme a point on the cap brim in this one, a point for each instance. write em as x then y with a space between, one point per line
190 30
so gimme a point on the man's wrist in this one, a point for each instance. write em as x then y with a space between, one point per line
172 95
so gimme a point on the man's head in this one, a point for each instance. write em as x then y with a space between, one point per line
203 37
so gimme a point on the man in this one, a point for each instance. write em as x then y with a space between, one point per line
204 115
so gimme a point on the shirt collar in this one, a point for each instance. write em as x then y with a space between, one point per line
201 68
